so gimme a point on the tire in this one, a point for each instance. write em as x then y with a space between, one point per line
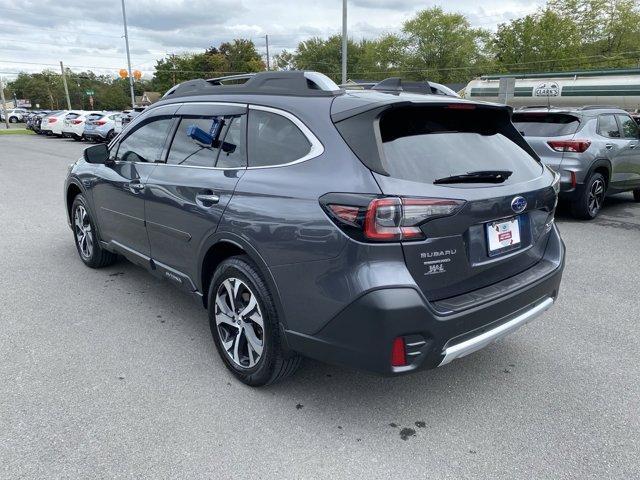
110 136
239 337
13 120
86 240
636 194
77 138
589 204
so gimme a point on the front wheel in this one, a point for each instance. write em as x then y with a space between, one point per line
244 324
13 120
589 203
84 234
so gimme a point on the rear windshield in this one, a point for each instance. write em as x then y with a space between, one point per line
545 124
426 144
72 116
95 116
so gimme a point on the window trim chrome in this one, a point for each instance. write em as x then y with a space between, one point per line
317 148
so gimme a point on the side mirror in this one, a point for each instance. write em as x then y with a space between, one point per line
97 154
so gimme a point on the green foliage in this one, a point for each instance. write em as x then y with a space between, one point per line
239 56
545 40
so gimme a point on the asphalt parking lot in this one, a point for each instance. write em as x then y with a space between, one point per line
113 374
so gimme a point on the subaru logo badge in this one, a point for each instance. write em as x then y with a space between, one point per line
518 204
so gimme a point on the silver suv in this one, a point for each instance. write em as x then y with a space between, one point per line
596 150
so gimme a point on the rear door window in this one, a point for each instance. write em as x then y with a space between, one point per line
426 144
535 124
608 126
629 126
225 151
274 140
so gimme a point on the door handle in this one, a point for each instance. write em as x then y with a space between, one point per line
608 146
633 145
207 200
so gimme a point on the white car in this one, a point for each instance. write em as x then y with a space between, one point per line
73 124
15 115
55 123
51 120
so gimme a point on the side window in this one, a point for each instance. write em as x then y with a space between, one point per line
629 126
192 147
274 140
608 127
145 144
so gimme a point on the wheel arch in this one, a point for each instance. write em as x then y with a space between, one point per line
602 166
223 245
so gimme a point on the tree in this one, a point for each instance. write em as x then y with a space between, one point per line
610 29
241 56
285 60
443 46
325 56
543 41
381 58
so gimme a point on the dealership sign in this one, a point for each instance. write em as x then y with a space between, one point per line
547 89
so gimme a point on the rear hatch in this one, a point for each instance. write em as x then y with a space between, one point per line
93 120
545 132
471 156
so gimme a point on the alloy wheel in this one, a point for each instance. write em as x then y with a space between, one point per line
82 227
596 197
239 322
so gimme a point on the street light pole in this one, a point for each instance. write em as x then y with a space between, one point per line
64 82
4 105
344 41
266 41
126 41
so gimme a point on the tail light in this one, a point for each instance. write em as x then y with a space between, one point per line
574 146
77 122
386 219
100 122
53 120
398 353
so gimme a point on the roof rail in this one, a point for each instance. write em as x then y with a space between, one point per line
598 107
397 85
294 83
228 78
529 107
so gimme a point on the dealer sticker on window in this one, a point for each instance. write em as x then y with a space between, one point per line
503 235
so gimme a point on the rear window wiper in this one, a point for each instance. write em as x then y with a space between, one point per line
483 176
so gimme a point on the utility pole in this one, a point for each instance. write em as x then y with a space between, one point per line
64 82
344 41
4 105
126 41
266 41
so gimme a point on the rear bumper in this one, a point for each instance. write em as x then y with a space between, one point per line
362 334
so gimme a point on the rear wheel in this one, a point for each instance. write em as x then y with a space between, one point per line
590 202
84 234
110 136
636 194
244 324
13 120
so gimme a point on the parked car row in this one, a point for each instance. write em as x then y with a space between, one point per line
98 126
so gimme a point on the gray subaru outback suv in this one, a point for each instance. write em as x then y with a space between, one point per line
379 230
596 150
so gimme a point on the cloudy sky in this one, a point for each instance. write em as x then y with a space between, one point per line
37 34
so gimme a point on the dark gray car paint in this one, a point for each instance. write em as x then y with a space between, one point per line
314 269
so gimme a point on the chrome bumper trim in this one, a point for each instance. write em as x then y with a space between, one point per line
476 343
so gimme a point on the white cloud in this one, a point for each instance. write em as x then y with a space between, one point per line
36 34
